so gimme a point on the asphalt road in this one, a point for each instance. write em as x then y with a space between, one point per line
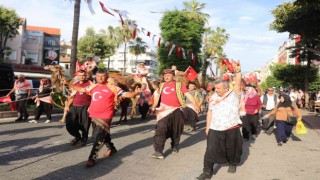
42 151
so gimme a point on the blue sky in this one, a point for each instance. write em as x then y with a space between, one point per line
246 21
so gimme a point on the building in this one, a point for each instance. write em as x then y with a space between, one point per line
149 58
65 55
284 53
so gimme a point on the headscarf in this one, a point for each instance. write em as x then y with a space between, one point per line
251 93
287 101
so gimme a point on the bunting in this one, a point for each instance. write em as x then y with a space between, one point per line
104 9
89 2
183 54
148 33
173 46
179 52
153 38
159 41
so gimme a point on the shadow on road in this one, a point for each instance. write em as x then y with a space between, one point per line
24 130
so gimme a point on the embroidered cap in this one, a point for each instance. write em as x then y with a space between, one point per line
168 71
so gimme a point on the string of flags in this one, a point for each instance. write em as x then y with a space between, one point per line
123 14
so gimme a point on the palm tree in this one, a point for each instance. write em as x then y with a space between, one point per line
75 30
194 10
113 39
125 34
137 47
214 46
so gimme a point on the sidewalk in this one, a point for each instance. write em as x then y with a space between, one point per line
8 114
312 119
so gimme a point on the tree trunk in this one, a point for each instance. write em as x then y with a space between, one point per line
124 61
75 30
204 70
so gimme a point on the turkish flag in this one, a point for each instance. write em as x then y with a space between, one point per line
7 99
191 74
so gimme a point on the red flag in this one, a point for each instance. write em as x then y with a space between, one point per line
104 9
7 99
209 87
226 77
159 41
148 33
179 52
191 74
134 33
229 65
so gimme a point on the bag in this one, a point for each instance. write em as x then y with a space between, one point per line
300 128
292 120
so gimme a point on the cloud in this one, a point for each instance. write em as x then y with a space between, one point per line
246 18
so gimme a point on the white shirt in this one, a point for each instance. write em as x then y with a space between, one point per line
225 114
293 96
270 101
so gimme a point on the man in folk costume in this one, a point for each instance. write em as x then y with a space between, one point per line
101 111
22 90
224 141
43 101
78 118
143 101
190 114
169 115
141 74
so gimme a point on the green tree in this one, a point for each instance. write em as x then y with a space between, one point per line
97 44
137 47
300 18
75 31
292 75
194 10
180 29
213 47
9 25
114 40
271 81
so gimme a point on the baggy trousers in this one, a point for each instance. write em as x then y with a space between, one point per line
249 125
45 108
100 137
222 147
21 105
170 126
78 120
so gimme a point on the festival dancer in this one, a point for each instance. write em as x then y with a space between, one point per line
78 118
190 114
169 116
22 90
224 141
43 101
101 111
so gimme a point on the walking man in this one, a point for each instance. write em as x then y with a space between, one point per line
78 118
22 90
101 111
224 141
169 116
269 102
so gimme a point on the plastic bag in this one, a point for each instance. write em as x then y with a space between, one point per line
300 128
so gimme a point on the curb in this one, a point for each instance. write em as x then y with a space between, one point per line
8 114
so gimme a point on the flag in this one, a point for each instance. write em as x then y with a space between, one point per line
89 2
7 99
191 74
173 46
153 38
104 9
179 52
211 71
167 44
148 33
159 41
142 29
122 22
183 54
194 59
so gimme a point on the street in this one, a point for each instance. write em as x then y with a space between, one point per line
42 151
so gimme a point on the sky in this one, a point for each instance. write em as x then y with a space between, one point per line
246 21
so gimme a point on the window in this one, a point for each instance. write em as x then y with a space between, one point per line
33 57
11 55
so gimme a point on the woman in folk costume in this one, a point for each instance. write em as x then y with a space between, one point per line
43 101
284 108
251 119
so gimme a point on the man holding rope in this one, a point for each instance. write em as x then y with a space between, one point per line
22 90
